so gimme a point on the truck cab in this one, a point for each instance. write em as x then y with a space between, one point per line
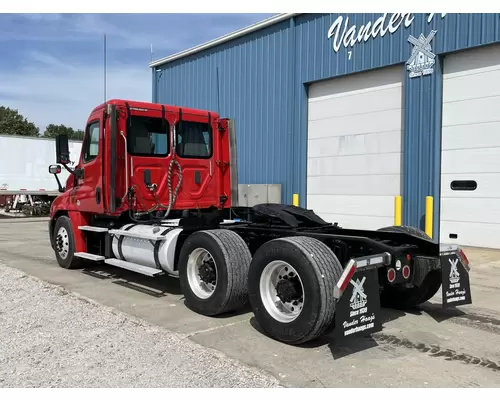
148 158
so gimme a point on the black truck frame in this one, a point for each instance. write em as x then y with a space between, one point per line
334 279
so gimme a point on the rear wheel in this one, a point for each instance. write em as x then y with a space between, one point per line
291 284
405 298
64 243
213 270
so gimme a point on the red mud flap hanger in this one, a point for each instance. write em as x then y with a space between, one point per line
454 276
357 311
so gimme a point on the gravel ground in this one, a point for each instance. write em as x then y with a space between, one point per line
52 338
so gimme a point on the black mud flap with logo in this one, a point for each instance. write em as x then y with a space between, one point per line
358 309
455 279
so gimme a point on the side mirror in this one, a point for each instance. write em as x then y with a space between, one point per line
54 169
62 149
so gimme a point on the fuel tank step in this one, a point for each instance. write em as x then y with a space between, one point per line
88 256
137 235
141 269
92 228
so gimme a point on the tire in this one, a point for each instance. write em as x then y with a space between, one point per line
318 270
231 257
63 231
407 298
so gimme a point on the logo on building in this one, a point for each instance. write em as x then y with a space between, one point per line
454 275
422 59
358 298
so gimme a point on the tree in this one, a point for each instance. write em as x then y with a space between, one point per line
56 130
13 123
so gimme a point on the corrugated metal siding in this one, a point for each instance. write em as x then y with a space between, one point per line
255 89
263 86
316 60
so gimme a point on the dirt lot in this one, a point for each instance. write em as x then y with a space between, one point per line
428 348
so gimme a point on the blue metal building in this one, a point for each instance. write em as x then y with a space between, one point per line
286 81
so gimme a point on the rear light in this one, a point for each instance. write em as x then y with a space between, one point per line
391 275
406 272
464 258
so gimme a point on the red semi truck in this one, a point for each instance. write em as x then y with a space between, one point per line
154 191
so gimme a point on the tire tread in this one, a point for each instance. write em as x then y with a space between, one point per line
236 253
328 270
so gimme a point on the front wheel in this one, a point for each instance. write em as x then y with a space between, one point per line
291 284
64 243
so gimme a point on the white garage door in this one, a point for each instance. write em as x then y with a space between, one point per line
470 182
354 148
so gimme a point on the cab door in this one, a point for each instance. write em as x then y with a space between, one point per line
89 183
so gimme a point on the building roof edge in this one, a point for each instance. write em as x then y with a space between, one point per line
223 39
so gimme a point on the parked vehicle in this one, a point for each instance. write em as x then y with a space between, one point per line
23 173
154 191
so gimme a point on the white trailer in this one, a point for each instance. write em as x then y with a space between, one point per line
24 167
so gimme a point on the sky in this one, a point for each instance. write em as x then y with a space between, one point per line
51 65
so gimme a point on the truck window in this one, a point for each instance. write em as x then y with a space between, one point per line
148 137
194 140
91 145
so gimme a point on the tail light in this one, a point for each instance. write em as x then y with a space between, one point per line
391 275
464 258
406 272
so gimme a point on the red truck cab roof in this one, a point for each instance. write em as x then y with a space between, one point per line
156 107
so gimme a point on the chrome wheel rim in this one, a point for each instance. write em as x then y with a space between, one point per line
62 242
202 273
287 308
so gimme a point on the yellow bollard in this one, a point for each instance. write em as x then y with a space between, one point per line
295 199
429 214
398 210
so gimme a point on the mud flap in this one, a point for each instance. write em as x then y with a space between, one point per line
358 306
455 278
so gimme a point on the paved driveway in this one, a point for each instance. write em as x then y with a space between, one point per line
452 348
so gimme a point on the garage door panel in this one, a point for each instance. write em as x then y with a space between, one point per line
361 82
473 86
372 206
471 160
389 164
471 148
383 121
474 234
374 143
481 59
355 104
459 137
358 221
378 185
484 210
488 185
472 111
354 147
